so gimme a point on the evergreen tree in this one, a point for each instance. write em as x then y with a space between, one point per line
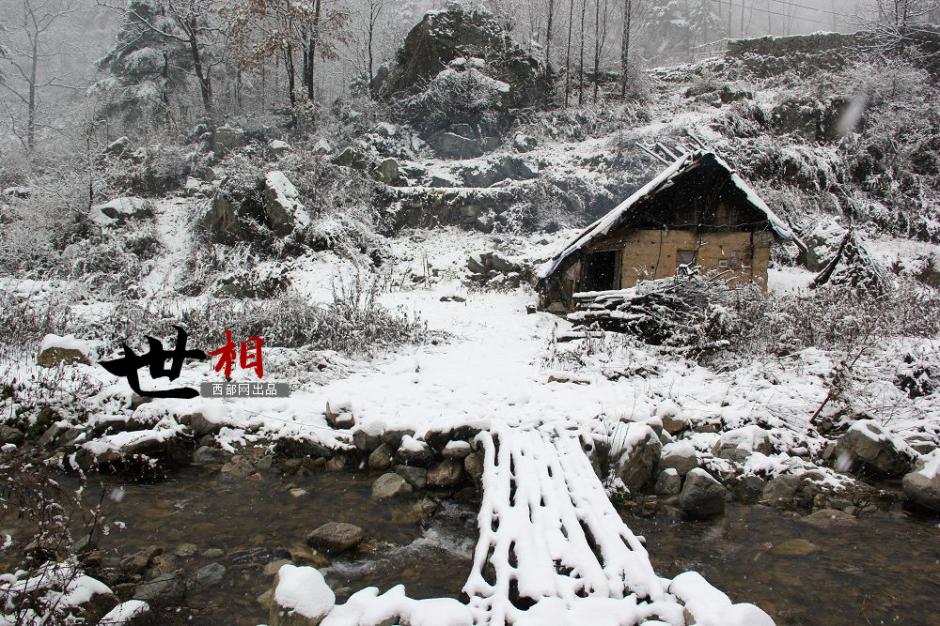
146 68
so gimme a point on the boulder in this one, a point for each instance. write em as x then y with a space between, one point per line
55 351
866 447
923 488
417 477
229 137
301 597
473 465
164 589
674 422
350 157
8 434
669 483
640 457
453 146
381 457
208 455
456 449
415 452
278 148
738 444
680 456
335 537
390 486
210 575
447 473
523 143
367 438
118 211
282 204
702 496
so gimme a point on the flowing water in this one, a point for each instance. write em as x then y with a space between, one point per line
251 522
883 568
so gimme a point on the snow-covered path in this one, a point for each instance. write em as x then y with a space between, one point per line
172 218
488 371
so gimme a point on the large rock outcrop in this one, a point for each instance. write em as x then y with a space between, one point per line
467 54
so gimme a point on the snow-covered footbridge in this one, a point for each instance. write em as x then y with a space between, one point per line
552 551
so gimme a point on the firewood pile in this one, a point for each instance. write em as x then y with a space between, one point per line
673 312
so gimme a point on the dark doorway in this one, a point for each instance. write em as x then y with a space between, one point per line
600 271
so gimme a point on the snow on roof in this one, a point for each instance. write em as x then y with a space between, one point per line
603 226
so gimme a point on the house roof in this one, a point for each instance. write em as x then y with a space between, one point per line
625 210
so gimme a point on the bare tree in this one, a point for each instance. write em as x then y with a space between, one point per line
548 34
600 37
375 9
36 19
581 55
896 22
259 29
568 52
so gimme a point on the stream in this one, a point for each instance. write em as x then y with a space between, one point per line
883 568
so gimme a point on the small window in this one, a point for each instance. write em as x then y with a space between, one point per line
686 257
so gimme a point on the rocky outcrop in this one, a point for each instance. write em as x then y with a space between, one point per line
453 146
868 448
282 204
463 33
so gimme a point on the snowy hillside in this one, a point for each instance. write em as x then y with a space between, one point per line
386 252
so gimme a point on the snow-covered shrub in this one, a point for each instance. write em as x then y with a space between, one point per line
25 319
576 124
354 322
918 373
839 318
154 170
48 585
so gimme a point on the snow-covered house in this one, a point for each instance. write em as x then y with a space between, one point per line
697 211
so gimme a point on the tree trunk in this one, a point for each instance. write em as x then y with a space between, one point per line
369 50
312 48
625 47
31 113
597 45
568 52
581 56
548 34
202 74
289 68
